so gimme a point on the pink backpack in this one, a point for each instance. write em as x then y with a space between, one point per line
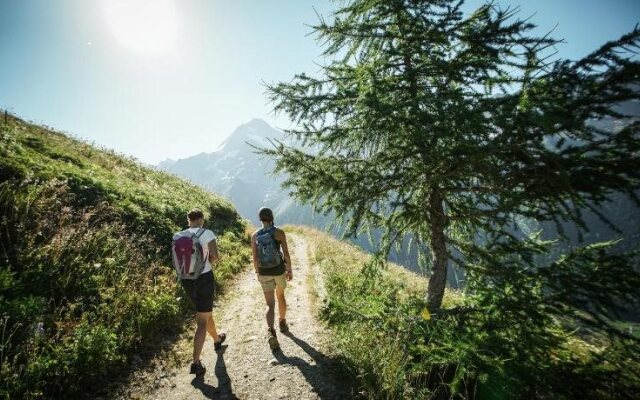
188 254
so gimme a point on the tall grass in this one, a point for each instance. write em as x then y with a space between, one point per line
85 278
484 345
356 305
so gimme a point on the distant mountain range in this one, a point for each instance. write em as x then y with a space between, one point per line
237 172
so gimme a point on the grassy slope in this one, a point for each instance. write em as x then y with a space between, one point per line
84 266
378 362
375 325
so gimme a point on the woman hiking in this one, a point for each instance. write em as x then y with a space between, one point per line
272 265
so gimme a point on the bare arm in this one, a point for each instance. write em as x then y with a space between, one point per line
285 249
287 259
254 252
214 256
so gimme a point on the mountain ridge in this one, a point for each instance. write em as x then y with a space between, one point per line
238 172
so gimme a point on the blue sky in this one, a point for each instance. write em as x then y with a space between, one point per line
178 80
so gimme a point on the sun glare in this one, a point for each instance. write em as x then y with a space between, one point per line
144 26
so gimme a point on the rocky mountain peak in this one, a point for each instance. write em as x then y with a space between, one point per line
256 132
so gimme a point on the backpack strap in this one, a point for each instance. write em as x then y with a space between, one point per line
269 231
198 233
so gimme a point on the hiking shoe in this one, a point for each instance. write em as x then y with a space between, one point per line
284 328
273 340
197 368
218 345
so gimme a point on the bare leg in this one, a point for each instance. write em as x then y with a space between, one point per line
271 302
211 328
201 334
282 303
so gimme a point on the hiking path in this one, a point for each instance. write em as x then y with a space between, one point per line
246 368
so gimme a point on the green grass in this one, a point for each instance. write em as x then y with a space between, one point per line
393 352
85 275
356 305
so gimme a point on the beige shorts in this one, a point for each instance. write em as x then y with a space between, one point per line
269 282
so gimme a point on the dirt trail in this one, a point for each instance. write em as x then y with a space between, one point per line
246 368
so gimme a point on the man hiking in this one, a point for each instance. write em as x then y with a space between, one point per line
272 265
194 250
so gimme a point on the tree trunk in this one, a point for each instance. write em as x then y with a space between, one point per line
440 258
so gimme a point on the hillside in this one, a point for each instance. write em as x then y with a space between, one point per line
85 278
477 347
85 289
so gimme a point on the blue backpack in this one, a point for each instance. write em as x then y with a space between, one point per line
268 248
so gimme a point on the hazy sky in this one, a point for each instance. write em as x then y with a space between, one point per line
171 78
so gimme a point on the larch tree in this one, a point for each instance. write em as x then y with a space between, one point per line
441 126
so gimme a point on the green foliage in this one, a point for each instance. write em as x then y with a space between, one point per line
447 129
533 312
517 332
85 275
440 126
234 255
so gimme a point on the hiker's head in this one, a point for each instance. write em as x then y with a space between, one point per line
195 217
265 215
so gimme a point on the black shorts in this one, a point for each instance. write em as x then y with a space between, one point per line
201 291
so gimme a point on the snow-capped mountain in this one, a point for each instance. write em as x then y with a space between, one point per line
236 171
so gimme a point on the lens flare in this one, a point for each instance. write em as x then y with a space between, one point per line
144 26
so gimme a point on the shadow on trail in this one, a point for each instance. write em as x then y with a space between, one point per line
312 373
224 389
140 360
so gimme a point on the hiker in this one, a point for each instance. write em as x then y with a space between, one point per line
272 265
194 251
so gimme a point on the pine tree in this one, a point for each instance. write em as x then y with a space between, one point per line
441 126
